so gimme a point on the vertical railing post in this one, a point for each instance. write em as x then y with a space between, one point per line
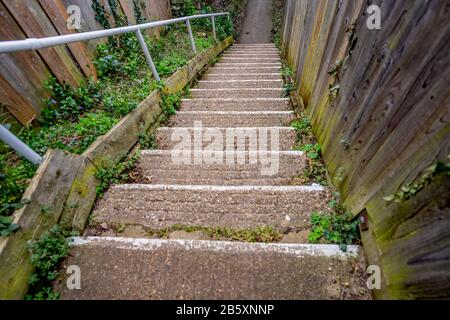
191 37
231 22
20 147
147 55
213 20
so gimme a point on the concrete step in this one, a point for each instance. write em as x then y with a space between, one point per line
242 64
243 70
246 104
253 50
174 138
236 59
238 93
255 54
158 206
234 84
241 76
232 118
221 168
127 268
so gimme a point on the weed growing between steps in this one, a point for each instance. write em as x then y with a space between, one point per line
73 118
118 174
260 234
277 16
315 171
335 227
46 255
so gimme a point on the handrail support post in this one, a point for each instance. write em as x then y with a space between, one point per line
191 37
147 55
21 148
213 20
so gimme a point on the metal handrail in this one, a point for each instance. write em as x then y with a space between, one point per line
39 43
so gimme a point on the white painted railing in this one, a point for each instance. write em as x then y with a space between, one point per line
40 43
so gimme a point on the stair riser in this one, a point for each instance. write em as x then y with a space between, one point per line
230 120
218 105
237 105
236 84
236 207
221 169
253 51
187 269
245 71
263 93
251 56
249 64
240 59
242 76
168 139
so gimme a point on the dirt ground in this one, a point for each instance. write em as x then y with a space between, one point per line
257 24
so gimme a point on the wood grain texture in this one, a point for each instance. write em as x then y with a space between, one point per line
35 24
389 122
22 73
57 13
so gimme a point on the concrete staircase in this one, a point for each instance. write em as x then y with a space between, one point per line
249 185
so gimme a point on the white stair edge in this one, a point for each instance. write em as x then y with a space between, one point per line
242 68
219 188
237 112
280 152
243 74
237 89
148 244
238 99
240 80
274 64
224 128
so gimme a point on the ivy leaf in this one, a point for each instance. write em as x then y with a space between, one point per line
343 247
389 198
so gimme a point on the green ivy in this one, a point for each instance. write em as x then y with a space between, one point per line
338 227
46 255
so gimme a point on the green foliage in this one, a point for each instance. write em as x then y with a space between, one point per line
73 118
182 8
67 103
100 14
287 89
337 227
302 127
259 234
333 91
46 255
171 103
313 151
335 68
277 15
409 190
137 5
117 174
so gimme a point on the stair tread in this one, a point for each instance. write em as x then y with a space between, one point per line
239 207
195 269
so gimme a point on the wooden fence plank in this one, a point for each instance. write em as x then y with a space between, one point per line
57 13
389 122
35 23
22 74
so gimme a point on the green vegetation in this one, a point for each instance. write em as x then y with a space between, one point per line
337 227
46 255
117 174
315 171
73 118
259 234
277 15
408 191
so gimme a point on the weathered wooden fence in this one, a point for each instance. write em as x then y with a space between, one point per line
22 73
379 104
